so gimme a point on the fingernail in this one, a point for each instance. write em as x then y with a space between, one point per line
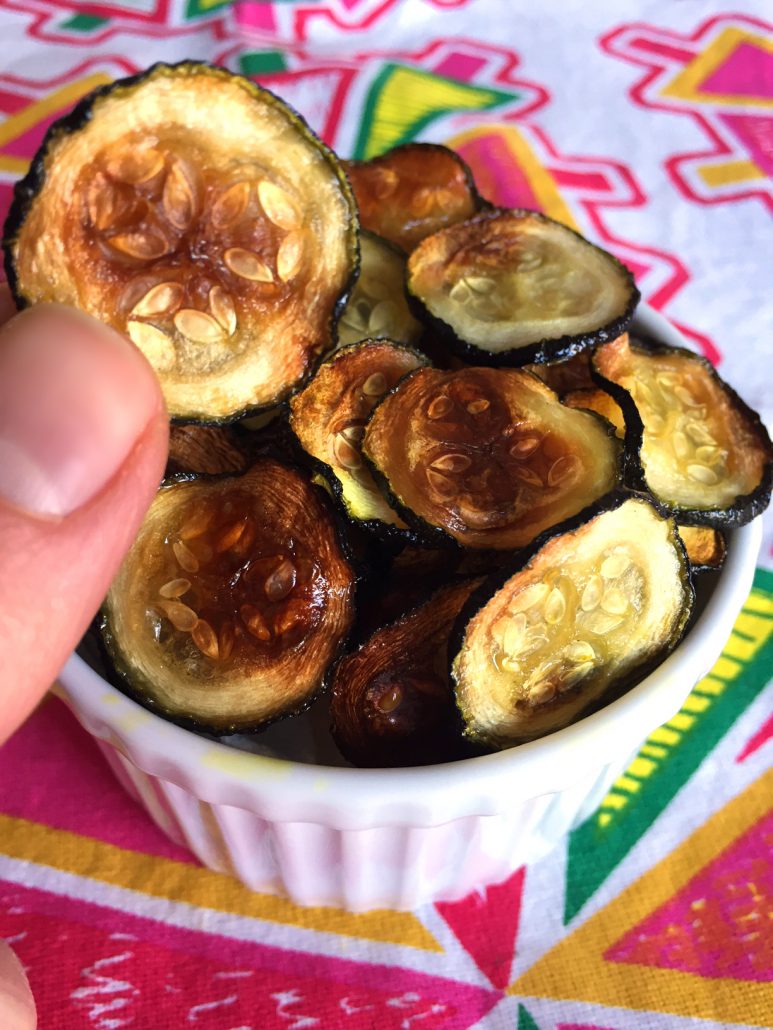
74 398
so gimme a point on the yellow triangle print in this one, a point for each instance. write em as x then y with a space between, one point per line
403 100
576 968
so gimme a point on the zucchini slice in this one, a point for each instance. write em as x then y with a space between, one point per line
509 287
199 214
565 376
488 458
412 191
692 441
377 307
207 449
391 700
328 416
706 547
233 601
603 403
590 610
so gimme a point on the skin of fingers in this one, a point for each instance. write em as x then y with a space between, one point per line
56 567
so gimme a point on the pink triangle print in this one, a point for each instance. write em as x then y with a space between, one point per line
486 925
748 71
115 969
718 925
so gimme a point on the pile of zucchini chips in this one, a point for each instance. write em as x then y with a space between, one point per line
417 461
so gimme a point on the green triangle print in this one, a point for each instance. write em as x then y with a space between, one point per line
526 1020
673 752
403 100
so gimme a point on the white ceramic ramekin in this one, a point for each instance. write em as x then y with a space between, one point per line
369 838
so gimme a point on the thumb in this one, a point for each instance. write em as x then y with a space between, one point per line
16 1005
83 434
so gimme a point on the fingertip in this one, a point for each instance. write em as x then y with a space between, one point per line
17 1006
74 398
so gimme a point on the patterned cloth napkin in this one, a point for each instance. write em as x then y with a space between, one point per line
649 126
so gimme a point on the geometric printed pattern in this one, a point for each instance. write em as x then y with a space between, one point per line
721 76
653 912
674 751
648 967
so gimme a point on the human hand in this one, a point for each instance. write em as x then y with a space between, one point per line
83 440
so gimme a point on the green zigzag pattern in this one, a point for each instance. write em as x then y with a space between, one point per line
403 100
672 754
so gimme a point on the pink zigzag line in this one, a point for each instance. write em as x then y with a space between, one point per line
510 60
106 11
640 93
307 15
637 199
90 64
503 75
39 28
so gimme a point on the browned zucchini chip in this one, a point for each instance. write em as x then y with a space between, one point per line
706 547
509 287
601 402
377 306
591 609
412 191
488 457
691 441
392 702
198 213
328 416
233 601
207 449
565 376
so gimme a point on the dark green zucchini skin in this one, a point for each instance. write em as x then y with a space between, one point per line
120 674
28 187
392 537
519 559
427 535
541 352
745 507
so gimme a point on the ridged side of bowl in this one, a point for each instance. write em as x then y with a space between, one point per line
390 867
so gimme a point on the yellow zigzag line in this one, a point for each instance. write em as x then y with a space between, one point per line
755 623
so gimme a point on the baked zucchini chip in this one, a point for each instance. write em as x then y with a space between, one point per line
589 611
198 213
565 376
706 547
392 703
691 440
233 601
412 191
377 307
486 457
206 449
328 416
509 287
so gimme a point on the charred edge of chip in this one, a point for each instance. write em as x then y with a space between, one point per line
391 536
118 673
518 560
29 186
744 507
543 351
